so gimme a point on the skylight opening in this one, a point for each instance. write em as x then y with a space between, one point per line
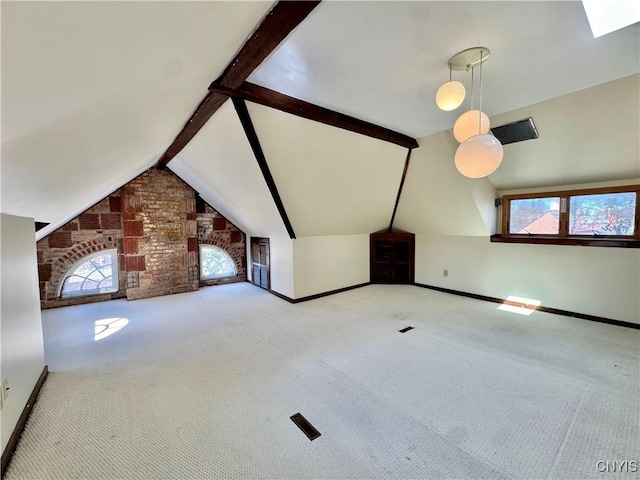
519 305
606 17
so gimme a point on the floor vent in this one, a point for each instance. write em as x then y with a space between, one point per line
405 329
308 429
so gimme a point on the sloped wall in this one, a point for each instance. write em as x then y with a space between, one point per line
436 199
332 182
153 223
587 136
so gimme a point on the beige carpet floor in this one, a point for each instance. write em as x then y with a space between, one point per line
202 385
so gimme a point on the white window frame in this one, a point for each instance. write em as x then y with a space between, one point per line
202 248
97 291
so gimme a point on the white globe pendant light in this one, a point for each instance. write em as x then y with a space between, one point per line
479 153
450 95
467 125
479 156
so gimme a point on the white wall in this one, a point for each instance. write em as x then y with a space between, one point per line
331 181
437 199
597 281
220 165
329 263
22 357
587 136
281 265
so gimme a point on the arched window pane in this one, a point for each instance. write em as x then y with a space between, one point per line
95 274
215 263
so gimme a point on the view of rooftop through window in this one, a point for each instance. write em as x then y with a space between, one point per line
535 215
577 213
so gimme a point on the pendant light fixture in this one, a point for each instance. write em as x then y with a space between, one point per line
467 124
479 153
450 95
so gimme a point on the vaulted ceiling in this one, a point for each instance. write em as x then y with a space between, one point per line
93 93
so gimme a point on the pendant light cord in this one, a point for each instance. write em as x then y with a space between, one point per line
472 89
480 108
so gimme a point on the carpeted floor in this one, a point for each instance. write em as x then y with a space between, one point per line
202 385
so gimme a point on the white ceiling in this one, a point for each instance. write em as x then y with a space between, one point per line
94 92
384 61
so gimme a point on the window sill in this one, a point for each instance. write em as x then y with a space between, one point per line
218 277
581 241
86 293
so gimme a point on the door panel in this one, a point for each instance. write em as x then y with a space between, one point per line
260 262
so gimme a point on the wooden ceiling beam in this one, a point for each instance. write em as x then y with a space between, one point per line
254 142
271 98
402 179
274 28
212 102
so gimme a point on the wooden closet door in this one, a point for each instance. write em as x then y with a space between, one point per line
260 262
392 257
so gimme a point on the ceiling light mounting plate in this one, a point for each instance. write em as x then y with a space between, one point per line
469 58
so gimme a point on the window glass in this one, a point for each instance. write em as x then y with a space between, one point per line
534 215
215 263
602 214
94 274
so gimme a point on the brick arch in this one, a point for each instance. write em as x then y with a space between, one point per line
76 253
235 255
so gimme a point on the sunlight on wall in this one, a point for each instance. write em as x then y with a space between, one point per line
519 305
108 326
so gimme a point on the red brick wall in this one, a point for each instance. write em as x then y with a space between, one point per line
98 228
153 223
159 218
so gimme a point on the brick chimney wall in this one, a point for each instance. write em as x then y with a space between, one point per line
152 221
159 216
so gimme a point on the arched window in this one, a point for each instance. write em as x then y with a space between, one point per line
215 263
94 274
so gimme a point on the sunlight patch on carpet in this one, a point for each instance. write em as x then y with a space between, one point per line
108 326
519 305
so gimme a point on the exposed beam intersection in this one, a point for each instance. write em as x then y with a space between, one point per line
271 98
274 28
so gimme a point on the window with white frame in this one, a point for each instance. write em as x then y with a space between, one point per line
93 275
215 263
